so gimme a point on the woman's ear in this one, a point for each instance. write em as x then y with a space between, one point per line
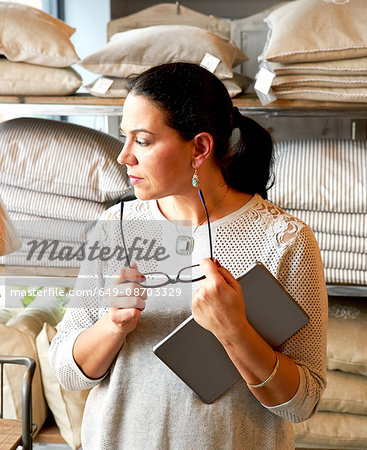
204 144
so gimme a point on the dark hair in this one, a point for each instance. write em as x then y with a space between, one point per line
194 100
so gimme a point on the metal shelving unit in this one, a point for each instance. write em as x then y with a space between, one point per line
111 108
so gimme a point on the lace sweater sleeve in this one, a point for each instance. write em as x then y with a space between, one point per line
301 273
84 309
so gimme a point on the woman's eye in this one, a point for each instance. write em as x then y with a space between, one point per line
141 142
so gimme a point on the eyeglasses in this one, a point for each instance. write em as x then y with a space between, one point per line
188 274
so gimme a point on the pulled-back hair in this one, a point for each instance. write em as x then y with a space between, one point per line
194 101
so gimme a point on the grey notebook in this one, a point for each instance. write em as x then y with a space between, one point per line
199 359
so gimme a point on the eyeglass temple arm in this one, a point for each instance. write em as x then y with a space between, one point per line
122 234
207 219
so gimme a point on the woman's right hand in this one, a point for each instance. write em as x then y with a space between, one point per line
127 298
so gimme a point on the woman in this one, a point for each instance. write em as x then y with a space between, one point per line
178 121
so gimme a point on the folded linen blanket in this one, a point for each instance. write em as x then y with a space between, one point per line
50 205
344 260
341 243
46 228
346 276
348 224
321 175
323 94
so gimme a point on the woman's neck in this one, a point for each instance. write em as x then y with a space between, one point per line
220 201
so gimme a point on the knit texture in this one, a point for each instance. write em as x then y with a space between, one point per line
140 403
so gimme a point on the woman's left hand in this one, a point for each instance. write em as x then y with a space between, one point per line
218 305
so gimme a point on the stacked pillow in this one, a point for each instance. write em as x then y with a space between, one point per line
318 50
18 337
323 182
35 53
56 180
134 51
341 422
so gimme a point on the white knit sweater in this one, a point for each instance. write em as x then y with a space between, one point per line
141 403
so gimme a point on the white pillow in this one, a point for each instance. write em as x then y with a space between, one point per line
32 36
62 158
18 78
66 406
134 51
317 30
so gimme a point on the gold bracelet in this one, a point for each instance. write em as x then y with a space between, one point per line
255 386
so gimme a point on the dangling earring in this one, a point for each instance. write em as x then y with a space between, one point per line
195 179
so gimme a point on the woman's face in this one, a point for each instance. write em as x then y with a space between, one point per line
158 160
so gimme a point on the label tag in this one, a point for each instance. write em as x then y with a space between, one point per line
264 79
102 85
210 62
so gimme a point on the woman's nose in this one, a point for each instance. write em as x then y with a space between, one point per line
126 156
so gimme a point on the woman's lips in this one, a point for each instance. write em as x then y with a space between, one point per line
135 180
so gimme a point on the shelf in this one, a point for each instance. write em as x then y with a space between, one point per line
75 105
38 276
85 104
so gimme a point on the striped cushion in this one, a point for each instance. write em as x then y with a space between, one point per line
44 228
330 222
338 242
50 205
345 276
344 260
321 175
61 158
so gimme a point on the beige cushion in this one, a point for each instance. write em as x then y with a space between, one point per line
327 94
133 51
345 393
18 78
332 431
44 308
7 313
317 30
29 35
18 11
61 158
235 85
67 406
18 338
347 336
354 66
339 81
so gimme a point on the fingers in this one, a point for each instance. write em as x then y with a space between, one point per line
210 270
127 274
126 302
124 291
214 271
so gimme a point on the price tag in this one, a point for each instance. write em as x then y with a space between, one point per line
102 85
210 62
264 79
